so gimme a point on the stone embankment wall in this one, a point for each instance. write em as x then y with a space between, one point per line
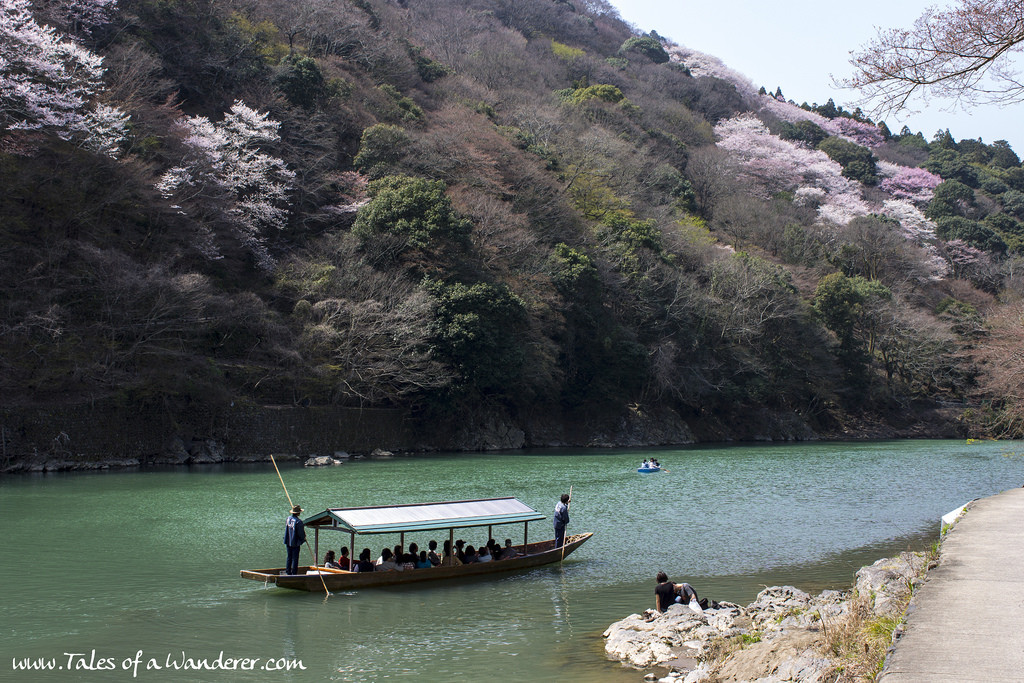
85 437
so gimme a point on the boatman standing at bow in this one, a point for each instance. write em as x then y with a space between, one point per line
561 519
294 537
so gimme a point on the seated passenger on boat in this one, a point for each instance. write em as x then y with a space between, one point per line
470 555
459 551
484 555
387 563
408 562
329 561
508 552
365 564
646 465
344 562
434 558
423 562
450 559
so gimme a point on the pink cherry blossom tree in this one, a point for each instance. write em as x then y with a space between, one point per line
863 133
226 179
914 184
773 164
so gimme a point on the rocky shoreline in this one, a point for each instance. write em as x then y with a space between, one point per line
784 635
117 437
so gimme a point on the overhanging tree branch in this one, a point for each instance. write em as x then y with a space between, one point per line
963 53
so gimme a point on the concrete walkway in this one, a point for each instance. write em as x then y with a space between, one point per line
966 622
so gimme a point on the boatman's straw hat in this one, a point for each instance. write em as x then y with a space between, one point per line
296 510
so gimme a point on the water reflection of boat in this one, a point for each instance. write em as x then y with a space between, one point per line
648 470
403 519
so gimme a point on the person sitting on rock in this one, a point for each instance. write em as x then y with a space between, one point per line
685 594
664 592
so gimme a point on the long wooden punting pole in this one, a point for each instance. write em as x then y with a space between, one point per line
563 538
312 554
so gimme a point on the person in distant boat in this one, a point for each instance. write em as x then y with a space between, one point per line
294 537
432 555
664 592
387 563
484 555
459 552
645 465
423 562
655 464
344 562
561 519
470 555
329 561
450 559
408 561
509 552
365 564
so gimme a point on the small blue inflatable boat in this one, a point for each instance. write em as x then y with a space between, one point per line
648 470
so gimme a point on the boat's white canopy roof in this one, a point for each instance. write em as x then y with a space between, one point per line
425 516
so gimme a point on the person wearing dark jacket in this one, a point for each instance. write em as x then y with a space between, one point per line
561 519
664 592
294 537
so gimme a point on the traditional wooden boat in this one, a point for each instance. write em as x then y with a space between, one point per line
403 519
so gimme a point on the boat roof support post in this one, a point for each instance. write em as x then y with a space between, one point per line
526 530
352 550
451 542
316 545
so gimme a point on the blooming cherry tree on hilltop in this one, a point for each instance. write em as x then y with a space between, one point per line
226 178
776 164
47 83
863 133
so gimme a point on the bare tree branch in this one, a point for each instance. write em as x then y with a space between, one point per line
963 53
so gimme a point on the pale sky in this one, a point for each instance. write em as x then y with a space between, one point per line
799 45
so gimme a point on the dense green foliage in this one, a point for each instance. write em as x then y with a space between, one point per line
515 204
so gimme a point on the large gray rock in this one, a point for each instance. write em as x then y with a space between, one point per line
888 582
650 638
321 461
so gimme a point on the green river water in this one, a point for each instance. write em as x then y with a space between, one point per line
106 565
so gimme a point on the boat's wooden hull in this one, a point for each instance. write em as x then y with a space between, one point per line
537 554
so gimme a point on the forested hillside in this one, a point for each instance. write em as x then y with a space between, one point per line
452 206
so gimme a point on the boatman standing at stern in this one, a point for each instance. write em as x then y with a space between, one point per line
561 519
294 537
